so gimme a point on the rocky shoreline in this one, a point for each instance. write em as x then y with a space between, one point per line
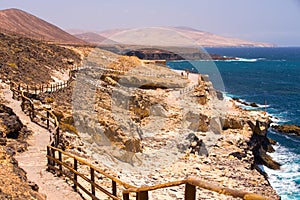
171 134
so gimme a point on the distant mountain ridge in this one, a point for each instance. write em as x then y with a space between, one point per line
200 38
20 22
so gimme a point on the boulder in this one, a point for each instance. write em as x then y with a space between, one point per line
158 110
198 121
216 125
10 124
253 104
232 123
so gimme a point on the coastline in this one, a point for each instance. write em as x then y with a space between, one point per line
230 149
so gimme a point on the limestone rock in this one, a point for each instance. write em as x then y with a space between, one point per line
232 123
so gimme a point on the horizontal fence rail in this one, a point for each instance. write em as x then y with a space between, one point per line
190 190
56 162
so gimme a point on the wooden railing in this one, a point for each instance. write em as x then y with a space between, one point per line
190 190
38 114
56 162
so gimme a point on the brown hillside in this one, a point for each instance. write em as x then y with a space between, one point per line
30 61
91 37
20 22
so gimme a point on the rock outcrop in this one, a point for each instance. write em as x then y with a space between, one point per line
287 129
261 145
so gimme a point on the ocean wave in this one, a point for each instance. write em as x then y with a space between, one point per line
288 175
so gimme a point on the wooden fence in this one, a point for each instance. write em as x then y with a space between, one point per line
190 190
56 162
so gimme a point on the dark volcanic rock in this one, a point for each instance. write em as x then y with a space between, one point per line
10 124
288 129
253 104
196 145
260 145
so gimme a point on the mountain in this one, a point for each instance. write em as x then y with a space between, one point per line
208 39
93 38
22 23
175 35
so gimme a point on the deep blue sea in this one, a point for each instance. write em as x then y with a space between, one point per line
267 76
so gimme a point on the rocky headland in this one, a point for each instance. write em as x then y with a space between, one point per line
162 127
143 123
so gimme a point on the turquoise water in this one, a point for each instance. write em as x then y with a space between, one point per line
264 75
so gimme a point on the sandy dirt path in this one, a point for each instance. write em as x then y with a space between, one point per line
34 160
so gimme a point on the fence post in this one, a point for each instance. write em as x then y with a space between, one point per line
75 175
31 114
48 159
93 181
48 115
190 192
53 155
114 188
143 195
60 165
125 196
57 135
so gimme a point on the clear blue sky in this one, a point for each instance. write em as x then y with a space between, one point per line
273 21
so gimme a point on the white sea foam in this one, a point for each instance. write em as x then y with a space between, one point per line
287 175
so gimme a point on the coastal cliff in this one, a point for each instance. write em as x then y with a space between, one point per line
187 129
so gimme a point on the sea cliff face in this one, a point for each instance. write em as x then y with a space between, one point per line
158 134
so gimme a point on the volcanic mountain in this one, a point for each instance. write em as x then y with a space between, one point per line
22 23
175 34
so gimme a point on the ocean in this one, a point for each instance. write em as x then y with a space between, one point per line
271 78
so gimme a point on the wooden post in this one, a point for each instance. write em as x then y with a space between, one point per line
48 154
114 188
143 195
48 115
190 192
75 175
60 165
31 112
42 88
93 181
53 155
125 196
51 87
57 135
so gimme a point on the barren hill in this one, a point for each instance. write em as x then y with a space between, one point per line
23 23
93 38
29 61
176 34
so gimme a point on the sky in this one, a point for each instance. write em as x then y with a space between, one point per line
271 21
